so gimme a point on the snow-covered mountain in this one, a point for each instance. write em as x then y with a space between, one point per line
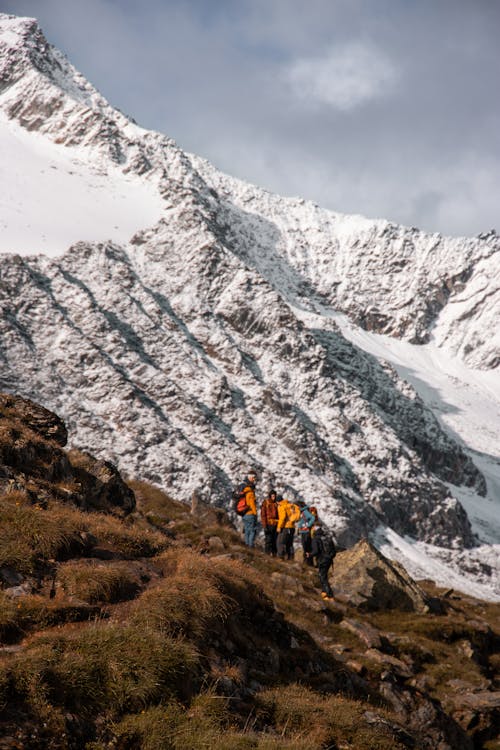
186 325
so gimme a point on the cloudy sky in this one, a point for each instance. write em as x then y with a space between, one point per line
387 108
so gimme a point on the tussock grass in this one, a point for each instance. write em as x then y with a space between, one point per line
239 581
150 499
30 534
205 725
326 721
131 541
94 582
21 615
15 498
192 595
102 668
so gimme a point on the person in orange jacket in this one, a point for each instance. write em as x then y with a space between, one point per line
288 515
269 521
250 518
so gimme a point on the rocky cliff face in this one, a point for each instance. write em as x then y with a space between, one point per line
207 342
33 464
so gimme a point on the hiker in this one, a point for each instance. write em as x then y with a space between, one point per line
306 522
269 521
288 515
246 506
323 549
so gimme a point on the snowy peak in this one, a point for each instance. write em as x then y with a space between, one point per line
25 55
205 335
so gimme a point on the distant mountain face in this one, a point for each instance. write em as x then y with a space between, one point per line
207 343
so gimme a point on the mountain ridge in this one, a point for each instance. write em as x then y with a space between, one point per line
189 351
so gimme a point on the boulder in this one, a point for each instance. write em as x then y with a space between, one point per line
42 421
370 582
34 464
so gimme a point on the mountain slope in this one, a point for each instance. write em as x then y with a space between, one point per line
128 619
207 341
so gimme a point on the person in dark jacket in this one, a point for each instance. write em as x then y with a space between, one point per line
306 522
323 549
269 521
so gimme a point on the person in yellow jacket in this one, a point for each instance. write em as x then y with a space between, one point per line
288 515
250 518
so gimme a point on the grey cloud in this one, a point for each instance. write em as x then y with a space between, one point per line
421 147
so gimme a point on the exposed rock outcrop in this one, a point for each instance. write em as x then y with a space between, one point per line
33 463
370 582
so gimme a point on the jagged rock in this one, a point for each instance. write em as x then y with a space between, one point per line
22 590
42 421
102 484
10 577
478 711
365 632
396 665
484 701
371 582
284 582
30 451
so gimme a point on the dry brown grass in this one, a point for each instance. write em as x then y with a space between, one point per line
193 594
131 540
205 725
96 582
151 499
30 534
103 667
326 721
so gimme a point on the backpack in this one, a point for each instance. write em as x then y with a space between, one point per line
240 505
327 544
307 519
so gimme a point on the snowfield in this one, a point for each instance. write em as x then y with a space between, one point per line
52 197
186 324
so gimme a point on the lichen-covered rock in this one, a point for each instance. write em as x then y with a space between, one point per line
372 582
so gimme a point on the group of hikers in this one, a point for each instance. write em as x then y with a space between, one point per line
280 519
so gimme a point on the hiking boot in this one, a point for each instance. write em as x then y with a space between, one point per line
325 597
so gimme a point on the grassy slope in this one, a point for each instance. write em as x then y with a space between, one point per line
161 630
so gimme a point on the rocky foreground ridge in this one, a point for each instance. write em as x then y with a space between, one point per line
127 620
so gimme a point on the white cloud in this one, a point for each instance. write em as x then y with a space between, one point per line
344 78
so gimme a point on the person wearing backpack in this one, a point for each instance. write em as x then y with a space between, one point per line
288 515
306 522
323 549
269 521
245 505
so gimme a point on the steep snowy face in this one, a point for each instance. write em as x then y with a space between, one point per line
189 366
206 342
387 278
